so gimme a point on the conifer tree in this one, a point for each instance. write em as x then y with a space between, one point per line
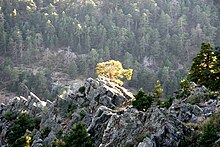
142 100
158 90
203 70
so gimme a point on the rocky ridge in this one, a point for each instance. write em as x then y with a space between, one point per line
106 110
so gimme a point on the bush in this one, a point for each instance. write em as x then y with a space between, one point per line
142 101
59 133
194 99
71 109
209 135
82 89
9 115
20 142
77 137
45 132
205 134
167 103
19 127
185 86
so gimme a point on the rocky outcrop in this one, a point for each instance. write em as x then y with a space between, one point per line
132 127
105 108
200 108
196 113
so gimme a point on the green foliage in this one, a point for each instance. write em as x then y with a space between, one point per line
72 70
19 127
82 89
205 134
59 133
7 71
167 103
76 137
216 121
27 81
158 90
71 109
58 143
185 86
209 135
142 100
45 132
20 142
204 69
9 115
191 140
82 115
195 99
129 31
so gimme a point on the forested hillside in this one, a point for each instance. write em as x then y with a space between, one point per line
156 38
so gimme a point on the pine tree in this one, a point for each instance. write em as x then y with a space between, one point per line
142 101
78 137
158 90
203 70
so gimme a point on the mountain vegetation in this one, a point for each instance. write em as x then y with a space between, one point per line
154 44
156 38
113 70
205 69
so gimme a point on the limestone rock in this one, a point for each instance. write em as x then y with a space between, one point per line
105 109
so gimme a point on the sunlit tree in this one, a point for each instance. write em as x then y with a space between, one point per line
113 69
158 90
203 70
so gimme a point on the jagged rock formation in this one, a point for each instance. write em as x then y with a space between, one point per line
199 110
105 109
132 127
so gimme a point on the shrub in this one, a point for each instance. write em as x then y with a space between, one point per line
45 132
77 137
71 109
82 89
19 127
209 135
58 143
9 115
82 115
167 103
190 141
185 86
59 133
142 100
194 99
20 142
205 134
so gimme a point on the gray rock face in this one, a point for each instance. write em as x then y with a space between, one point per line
116 95
147 142
186 112
99 96
105 109
37 143
132 127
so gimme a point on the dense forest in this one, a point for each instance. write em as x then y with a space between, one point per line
156 38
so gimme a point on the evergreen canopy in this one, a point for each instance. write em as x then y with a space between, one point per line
205 69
